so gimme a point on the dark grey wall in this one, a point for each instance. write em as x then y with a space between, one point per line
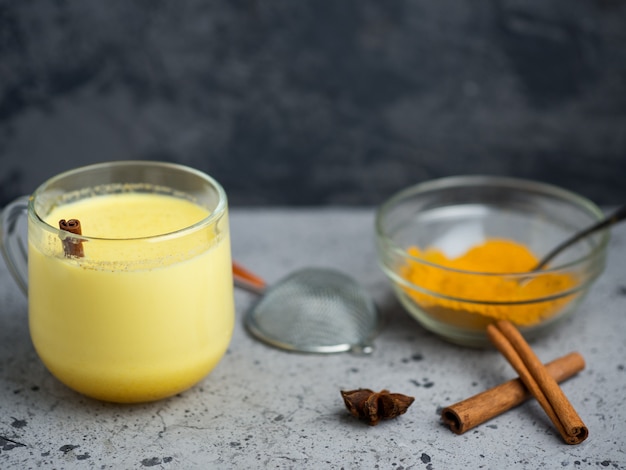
317 102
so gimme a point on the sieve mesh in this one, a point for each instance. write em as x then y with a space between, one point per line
315 310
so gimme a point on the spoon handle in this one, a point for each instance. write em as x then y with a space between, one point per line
618 215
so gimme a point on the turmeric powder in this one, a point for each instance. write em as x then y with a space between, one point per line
473 289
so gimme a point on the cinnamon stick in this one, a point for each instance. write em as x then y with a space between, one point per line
469 413
509 341
72 247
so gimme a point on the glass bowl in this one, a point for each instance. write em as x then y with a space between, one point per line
449 216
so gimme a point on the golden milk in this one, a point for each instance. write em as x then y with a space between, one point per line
136 319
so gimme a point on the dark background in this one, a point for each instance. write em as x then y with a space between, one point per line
298 102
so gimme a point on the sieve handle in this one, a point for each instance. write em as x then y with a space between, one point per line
247 280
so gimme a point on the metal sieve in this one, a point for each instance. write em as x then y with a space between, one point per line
315 310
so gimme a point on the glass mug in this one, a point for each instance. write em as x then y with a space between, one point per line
139 306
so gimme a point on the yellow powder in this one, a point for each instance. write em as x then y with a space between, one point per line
493 259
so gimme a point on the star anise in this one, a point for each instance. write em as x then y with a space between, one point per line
371 407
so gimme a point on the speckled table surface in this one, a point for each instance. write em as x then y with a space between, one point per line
265 408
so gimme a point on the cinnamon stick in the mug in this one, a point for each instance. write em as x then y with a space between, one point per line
469 413
72 247
510 342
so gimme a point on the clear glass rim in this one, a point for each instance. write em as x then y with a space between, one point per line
212 218
492 181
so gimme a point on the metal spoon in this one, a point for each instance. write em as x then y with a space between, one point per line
615 217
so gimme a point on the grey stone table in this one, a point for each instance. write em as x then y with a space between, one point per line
265 408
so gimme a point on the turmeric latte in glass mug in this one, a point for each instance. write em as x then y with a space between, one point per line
129 277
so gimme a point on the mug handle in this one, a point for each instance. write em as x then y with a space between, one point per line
14 240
